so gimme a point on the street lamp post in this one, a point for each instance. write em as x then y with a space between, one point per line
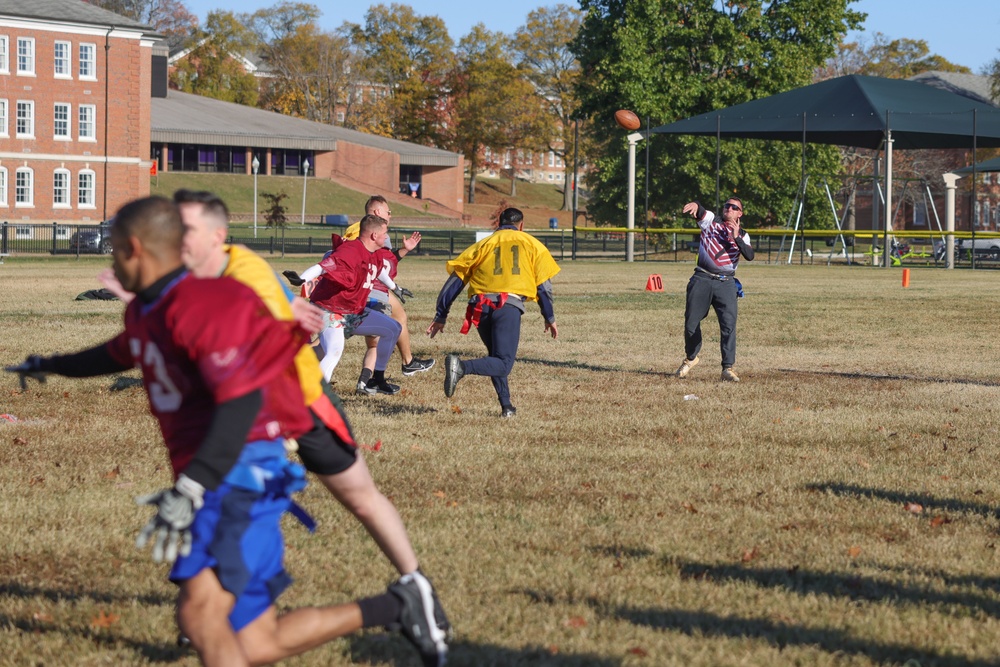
256 165
305 179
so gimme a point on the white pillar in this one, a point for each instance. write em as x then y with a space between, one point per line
887 262
950 184
633 139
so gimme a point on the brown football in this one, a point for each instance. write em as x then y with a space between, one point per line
627 119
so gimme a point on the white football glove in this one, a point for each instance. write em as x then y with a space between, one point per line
171 526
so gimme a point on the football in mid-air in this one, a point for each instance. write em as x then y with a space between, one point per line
627 119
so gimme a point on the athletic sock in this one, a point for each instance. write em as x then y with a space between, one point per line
378 377
366 375
381 610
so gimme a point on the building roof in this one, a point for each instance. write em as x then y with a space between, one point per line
973 86
69 11
193 119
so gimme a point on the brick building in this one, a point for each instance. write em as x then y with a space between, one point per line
75 85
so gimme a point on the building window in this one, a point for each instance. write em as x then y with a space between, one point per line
3 119
552 159
88 66
87 128
61 57
85 189
61 121
24 190
25 119
3 186
26 55
4 54
340 116
60 189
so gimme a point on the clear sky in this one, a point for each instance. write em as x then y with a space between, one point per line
966 32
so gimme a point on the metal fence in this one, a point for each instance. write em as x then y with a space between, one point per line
771 246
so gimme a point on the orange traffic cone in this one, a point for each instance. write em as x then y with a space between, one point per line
655 283
906 277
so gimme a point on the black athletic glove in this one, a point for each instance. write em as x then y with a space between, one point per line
29 368
293 278
171 526
401 292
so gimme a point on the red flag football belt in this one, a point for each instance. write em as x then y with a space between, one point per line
475 310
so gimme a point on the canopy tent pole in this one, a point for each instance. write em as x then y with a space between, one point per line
802 248
888 192
972 206
718 160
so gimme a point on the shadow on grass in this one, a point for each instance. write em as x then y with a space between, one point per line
834 584
881 376
151 651
929 502
394 650
386 408
782 635
576 365
16 590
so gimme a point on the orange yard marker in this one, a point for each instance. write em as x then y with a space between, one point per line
655 283
906 277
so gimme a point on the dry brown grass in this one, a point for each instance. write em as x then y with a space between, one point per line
612 522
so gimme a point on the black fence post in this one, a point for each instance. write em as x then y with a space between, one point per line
451 243
272 244
282 242
4 246
54 228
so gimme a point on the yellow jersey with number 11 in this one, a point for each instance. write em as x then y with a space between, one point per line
508 261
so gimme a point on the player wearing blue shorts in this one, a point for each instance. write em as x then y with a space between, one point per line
218 373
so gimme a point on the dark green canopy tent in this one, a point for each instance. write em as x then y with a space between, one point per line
861 111
988 165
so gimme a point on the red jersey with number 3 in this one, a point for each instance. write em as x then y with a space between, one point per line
204 342
347 278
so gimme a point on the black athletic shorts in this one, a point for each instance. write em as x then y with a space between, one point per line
322 451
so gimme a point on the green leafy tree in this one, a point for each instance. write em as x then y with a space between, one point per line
668 61
903 58
493 104
168 17
276 211
542 46
215 67
408 56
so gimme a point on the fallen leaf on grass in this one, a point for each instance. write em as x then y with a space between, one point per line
65 394
864 464
749 555
639 651
854 552
438 494
915 508
42 617
111 474
36 481
103 620
939 521
20 441
553 649
576 622
457 410
377 447
689 507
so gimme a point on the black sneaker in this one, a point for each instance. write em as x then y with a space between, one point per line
417 619
452 374
293 278
417 366
381 387
508 411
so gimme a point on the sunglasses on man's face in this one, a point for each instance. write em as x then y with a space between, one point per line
732 206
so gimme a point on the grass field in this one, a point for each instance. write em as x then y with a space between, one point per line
837 507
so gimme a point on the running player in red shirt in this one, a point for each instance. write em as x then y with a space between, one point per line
217 370
343 291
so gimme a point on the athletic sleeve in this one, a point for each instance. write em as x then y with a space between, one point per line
449 292
223 444
87 363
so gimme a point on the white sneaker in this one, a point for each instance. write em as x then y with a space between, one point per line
686 367
729 375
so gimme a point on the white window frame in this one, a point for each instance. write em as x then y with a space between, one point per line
86 194
4 118
67 60
90 62
30 201
29 56
66 189
552 159
30 105
3 187
80 134
4 54
67 122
